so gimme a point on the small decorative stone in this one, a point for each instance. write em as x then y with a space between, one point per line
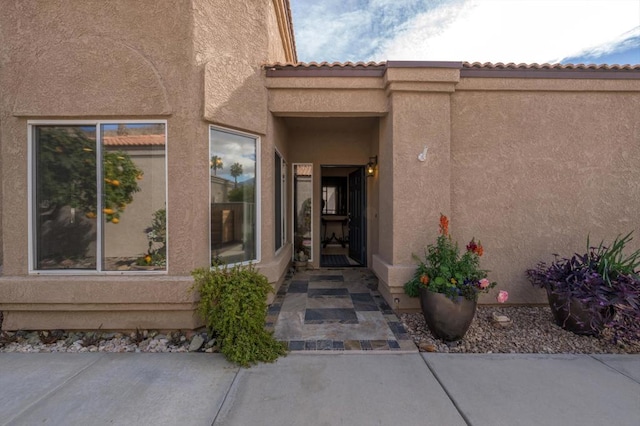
500 321
428 347
196 343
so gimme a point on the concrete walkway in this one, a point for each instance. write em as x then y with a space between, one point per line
309 389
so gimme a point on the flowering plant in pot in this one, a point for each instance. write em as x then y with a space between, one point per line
449 284
595 290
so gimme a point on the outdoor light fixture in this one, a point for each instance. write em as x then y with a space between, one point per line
371 165
423 155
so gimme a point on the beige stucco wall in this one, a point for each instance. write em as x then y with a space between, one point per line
530 166
536 172
128 238
189 62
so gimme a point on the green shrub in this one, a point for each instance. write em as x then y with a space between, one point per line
233 305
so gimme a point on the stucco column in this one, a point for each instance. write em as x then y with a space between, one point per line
413 192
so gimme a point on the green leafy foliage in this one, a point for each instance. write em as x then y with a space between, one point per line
67 173
156 255
242 193
445 271
611 260
120 183
233 304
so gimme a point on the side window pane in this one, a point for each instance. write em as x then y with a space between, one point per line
302 218
133 196
277 185
233 196
66 197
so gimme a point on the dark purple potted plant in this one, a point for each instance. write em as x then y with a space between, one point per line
595 290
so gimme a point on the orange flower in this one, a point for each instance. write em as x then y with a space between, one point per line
115 182
479 249
147 259
444 225
424 279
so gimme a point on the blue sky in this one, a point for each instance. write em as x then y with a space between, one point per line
541 31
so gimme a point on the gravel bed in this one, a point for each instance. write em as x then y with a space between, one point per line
532 330
96 341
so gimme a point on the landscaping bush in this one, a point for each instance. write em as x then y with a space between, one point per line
233 304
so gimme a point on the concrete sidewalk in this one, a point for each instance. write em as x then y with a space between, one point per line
310 389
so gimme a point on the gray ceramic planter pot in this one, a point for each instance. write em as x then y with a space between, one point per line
447 319
575 316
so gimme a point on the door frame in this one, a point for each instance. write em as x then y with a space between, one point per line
364 182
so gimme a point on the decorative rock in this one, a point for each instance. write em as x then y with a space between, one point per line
532 331
196 343
500 321
428 347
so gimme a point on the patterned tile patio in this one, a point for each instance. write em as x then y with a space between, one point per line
336 310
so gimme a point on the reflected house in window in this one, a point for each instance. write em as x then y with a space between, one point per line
148 152
100 196
234 195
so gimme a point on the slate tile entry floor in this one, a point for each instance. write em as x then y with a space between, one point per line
336 310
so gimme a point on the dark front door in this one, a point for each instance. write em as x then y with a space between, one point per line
357 219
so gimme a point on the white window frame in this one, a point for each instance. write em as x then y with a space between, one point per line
31 180
257 192
283 202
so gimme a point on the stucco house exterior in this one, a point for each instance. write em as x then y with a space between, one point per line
141 140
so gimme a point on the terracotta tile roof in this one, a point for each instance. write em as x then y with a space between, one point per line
280 65
134 140
476 69
534 66
303 170
474 65
326 69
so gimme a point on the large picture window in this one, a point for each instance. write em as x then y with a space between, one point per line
99 198
235 194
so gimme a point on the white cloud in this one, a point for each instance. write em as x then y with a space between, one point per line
459 30
627 41
511 31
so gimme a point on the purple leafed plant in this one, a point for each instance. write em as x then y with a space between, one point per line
604 280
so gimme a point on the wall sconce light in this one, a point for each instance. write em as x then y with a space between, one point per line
371 166
423 155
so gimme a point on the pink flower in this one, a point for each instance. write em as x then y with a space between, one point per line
502 296
484 283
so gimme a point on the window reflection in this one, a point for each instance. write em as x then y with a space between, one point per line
303 196
233 180
100 198
65 198
133 194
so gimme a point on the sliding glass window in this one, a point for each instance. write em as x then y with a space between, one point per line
235 194
99 196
